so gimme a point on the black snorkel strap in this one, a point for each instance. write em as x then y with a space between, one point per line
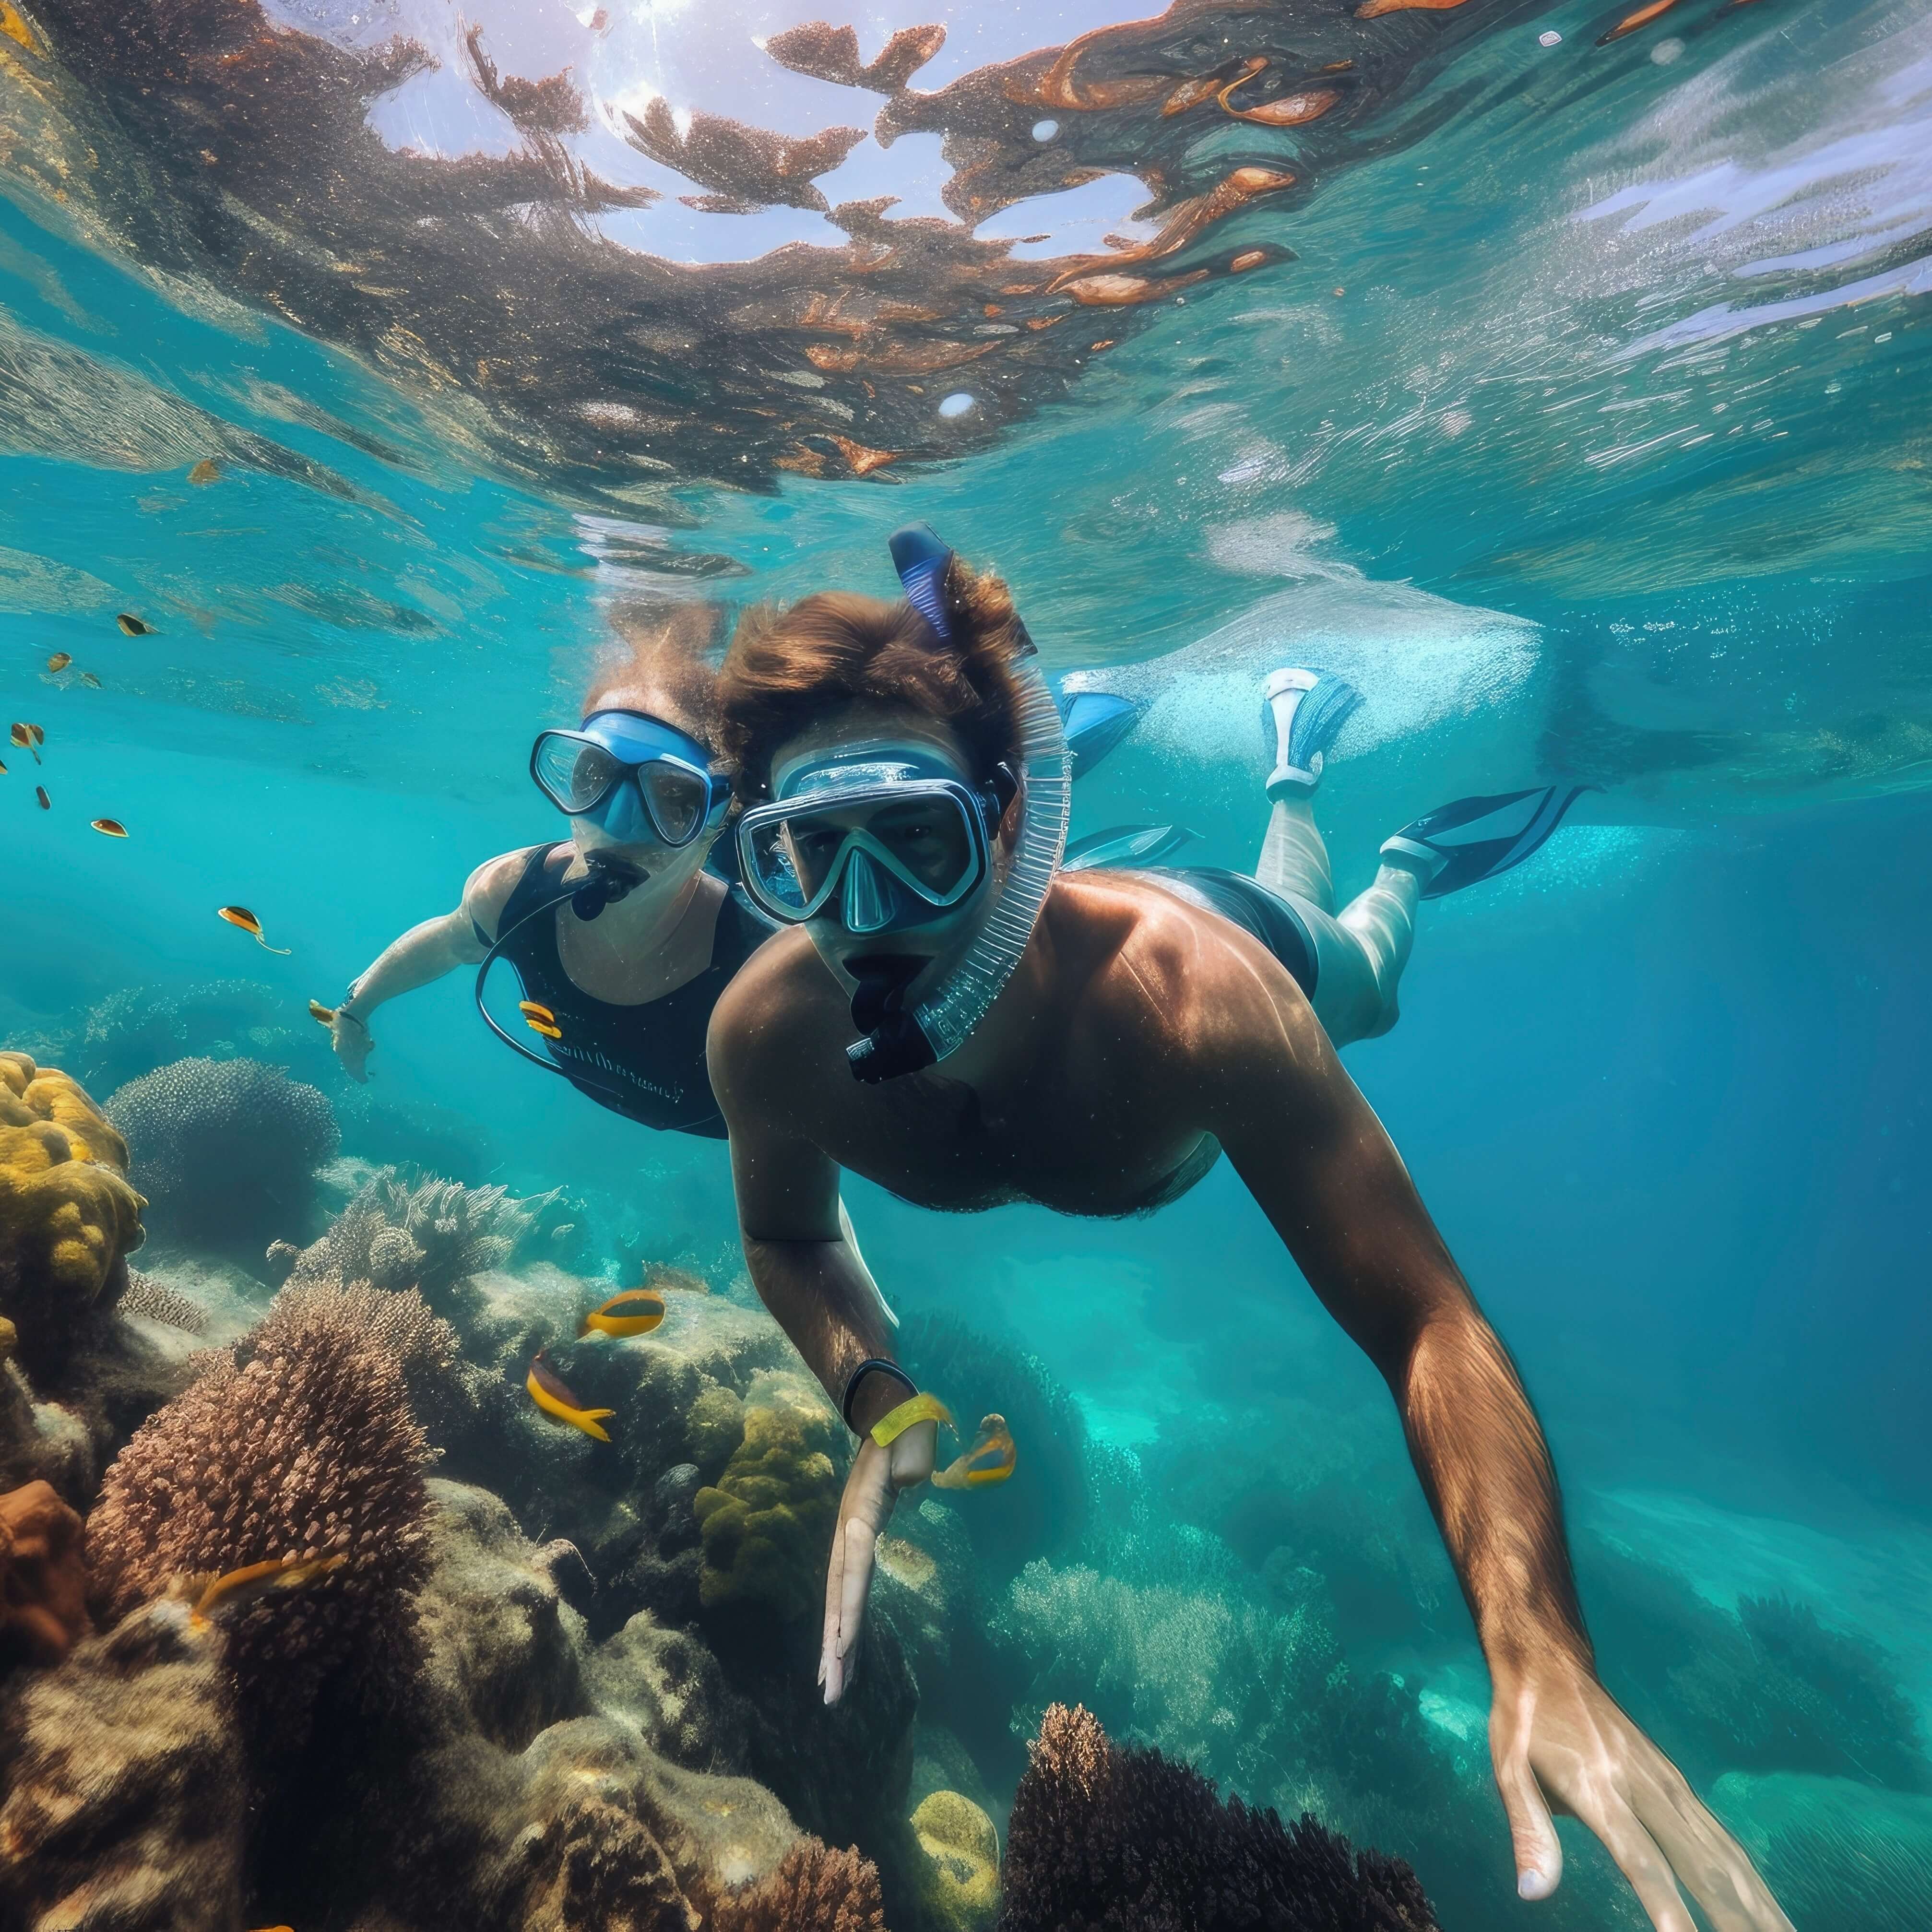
605 885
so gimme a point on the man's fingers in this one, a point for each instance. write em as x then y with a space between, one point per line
1637 1857
1539 1853
1708 1859
861 1543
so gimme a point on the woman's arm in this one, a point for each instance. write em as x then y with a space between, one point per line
422 954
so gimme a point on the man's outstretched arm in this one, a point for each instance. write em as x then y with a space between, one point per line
1317 1160
809 1272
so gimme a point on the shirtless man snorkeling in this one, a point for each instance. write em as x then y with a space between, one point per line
1092 1040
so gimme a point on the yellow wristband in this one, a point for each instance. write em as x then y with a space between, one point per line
896 1422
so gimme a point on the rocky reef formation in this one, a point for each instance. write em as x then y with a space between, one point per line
226 1150
1122 1840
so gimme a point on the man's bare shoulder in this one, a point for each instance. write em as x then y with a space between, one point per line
1149 959
781 1022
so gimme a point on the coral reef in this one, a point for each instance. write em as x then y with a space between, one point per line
298 1442
1042 1510
1840 1856
1767 1688
767 1522
226 1149
428 1235
42 1578
123 1794
154 1301
964 1846
1121 1839
815 1889
68 1216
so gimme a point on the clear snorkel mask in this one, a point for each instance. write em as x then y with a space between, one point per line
887 837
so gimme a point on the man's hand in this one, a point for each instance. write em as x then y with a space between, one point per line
350 1038
1560 1743
871 1488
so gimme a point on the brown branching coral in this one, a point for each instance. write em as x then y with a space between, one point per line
68 1216
1121 1839
815 1889
43 1582
298 1442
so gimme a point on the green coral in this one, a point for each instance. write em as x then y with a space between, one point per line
959 1838
767 1524
68 1216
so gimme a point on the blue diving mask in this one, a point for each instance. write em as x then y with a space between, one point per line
640 780
883 836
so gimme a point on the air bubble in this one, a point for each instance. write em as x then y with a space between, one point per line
1045 130
1665 51
958 403
1549 37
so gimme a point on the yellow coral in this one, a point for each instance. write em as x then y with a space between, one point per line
964 1846
768 1522
67 1213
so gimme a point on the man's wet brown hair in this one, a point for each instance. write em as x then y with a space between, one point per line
788 667
663 658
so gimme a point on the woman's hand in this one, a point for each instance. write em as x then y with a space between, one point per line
350 1038
1560 1743
871 1490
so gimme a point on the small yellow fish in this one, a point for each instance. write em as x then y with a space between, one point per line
636 1311
60 661
241 917
113 827
548 1393
27 738
40 793
206 471
322 1016
539 1019
990 1460
133 627
88 677
239 1589
3 767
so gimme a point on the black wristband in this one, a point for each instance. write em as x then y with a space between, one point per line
858 1375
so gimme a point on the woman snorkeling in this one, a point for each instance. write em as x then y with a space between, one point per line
622 938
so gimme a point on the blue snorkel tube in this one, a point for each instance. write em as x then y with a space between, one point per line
899 1041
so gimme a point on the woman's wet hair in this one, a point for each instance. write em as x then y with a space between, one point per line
663 658
788 667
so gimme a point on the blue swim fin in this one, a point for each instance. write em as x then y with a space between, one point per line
1124 845
1476 838
1305 710
1096 721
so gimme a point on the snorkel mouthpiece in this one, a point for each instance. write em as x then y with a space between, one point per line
610 880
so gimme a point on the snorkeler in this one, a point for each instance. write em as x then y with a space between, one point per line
621 938
1094 1041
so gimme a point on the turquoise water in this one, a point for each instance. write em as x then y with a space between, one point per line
1578 414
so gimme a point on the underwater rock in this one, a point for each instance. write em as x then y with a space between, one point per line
1839 1856
43 1578
226 1150
671 1687
964 1846
123 1799
67 1217
523 1784
298 1442
1121 1839
767 1522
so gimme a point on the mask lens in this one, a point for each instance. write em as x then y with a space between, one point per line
771 866
575 774
677 799
928 837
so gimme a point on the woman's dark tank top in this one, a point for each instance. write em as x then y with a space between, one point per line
646 1062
